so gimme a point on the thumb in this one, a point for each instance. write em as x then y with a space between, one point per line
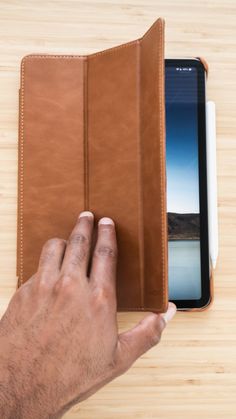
138 340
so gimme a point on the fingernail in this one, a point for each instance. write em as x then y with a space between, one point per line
168 316
106 220
86 214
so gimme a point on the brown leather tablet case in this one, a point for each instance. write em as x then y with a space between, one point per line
92 137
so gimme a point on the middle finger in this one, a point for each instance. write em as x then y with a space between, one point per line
77 252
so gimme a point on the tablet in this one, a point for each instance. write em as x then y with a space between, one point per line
188 243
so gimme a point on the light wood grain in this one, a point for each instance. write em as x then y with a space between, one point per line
192 373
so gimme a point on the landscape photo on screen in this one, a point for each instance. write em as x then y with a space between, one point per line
183 184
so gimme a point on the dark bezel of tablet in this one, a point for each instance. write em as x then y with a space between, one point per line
204 245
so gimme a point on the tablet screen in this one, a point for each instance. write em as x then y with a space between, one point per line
183 182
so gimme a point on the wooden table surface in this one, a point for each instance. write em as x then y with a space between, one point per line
192 373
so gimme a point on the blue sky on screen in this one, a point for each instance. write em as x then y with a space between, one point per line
182 141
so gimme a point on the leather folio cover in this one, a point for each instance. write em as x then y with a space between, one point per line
92 137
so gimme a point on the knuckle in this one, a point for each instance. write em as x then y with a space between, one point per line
43 284
102 294
154 333
43 279
49 250
106 251
154 339
78 238
65 280
64 285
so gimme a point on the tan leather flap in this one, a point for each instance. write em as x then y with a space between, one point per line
92 136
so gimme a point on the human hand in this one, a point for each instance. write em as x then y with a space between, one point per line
59 340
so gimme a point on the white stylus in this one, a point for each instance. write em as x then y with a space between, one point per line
212 181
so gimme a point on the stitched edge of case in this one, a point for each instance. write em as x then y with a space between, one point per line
20 242
159 22
85 132
140 178
162 178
